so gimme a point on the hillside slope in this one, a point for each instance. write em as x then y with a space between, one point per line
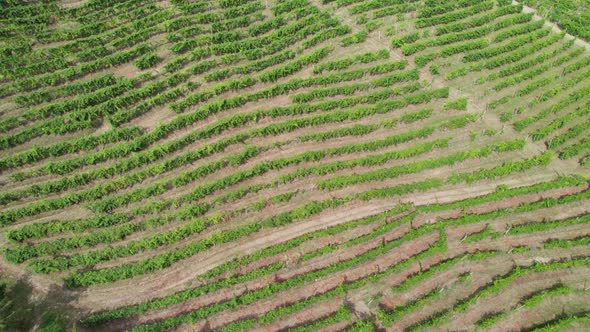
296 164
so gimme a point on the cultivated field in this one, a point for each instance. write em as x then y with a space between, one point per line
300 165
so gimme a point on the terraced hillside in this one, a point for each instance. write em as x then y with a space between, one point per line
296 164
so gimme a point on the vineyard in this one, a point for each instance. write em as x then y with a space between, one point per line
304 165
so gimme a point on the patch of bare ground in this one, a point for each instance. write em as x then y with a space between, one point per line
164 4
336 327
127 70
7 107
267 12
154 117
544 256
578 326
43 46
509 298
71 3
